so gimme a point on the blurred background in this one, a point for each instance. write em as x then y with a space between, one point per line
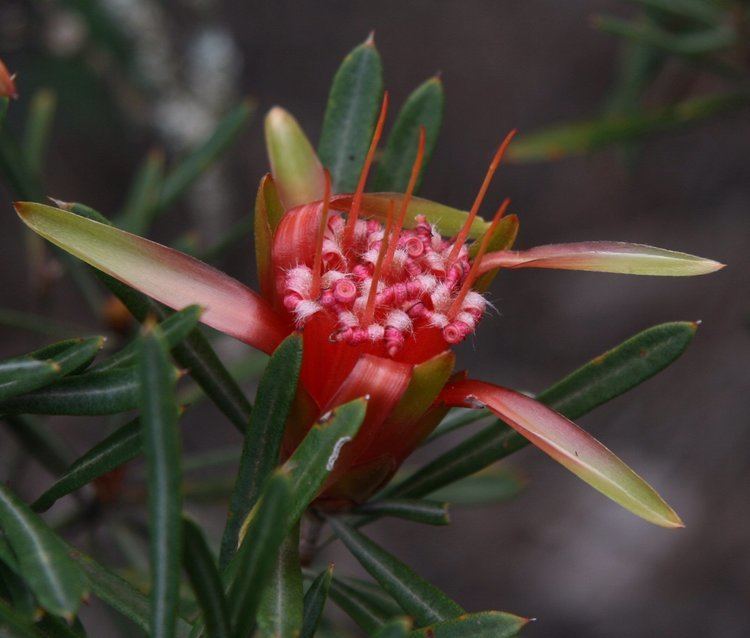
132 75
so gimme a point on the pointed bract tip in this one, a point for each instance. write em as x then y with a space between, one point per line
437 76
370 41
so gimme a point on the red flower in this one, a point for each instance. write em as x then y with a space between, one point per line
381 286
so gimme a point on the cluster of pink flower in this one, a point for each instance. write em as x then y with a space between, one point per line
373 300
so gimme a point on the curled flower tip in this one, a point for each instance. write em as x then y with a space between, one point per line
7 82
351 221
464 232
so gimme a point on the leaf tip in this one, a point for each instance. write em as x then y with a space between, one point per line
370 41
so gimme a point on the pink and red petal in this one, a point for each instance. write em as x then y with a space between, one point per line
603 256
569 445
169 276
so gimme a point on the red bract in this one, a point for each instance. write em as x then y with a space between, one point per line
381 285
7 83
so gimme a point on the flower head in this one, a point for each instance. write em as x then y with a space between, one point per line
381 285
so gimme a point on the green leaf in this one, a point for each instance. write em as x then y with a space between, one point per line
419 511
316 456
361 610
114 590
108 392
194 354
161 443
458 418
314 602
424 107
296 169
205 581
492 486
586 137
57 582
256 556
280 614
486 624
602 379
350 116
143 198
691 44
45 366
18 593
15 625
420 599
262 445
38 128
123 445
374 594
398 628
40 442
199 159
699 10
174 329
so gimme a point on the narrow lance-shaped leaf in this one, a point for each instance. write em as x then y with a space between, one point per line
692 44
585 137
315 458
417 510
491 486
280 613
424 107
174 329
115 591
264 534
199 159
194 354
350 115
361 610
41 557
205 581
422 600
108 392
602 379
262 445
486 624
171 277
708 13
43 367
314 602
570 446
295 167
123 445
40 441
601 256
161 442
13 624
17 592
38 128
143 198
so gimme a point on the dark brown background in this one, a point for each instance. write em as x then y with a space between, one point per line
560 552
